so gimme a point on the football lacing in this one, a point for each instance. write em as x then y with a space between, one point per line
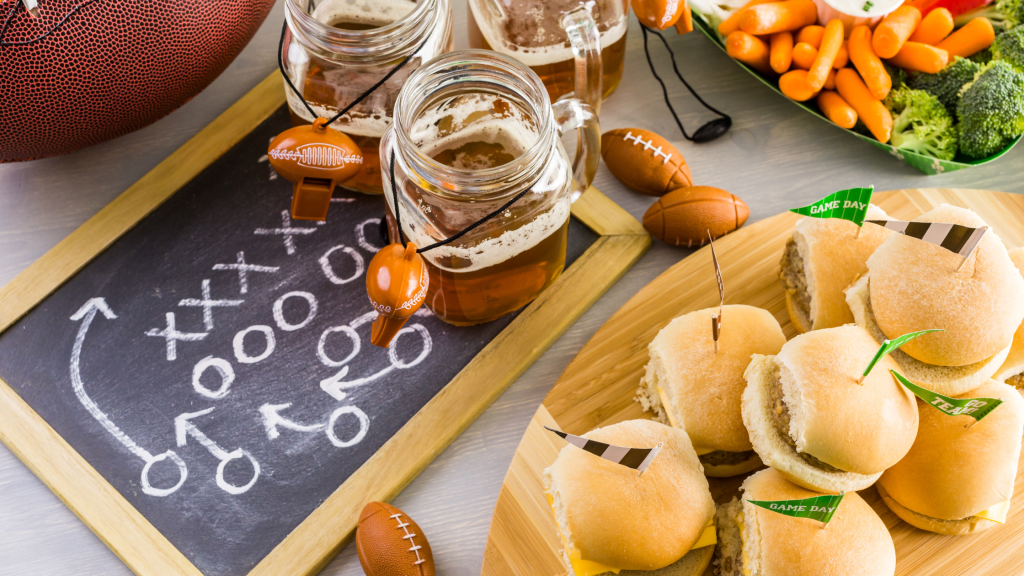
409 536
648 146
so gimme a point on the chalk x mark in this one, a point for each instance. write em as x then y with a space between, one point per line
243 271
183 428
287 231
207 303
171 335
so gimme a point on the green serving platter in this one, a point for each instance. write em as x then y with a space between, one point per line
925 164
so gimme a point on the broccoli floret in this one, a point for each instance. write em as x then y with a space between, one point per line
991 110
921 124
897 74
1009 47
983 56
947 83
1004 14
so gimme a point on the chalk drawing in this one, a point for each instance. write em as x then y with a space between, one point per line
207 303
286 231
279 310
357 259
171 335
243 270
223 369
183 427
239 344
364 426
272 418
361 235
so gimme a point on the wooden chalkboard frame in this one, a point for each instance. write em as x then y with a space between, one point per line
312 544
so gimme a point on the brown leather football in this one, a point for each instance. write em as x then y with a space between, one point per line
684 216
644 161
389 543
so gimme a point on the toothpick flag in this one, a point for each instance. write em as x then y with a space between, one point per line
716 319
636 458
849 205
976 408
953 237
890 345
820 508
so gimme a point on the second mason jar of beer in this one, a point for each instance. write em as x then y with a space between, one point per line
337 50
473 130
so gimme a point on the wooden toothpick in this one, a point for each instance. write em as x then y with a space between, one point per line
716 319
859 228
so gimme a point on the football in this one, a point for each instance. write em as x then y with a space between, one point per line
389 543
685 216
644 161
659 14
88 71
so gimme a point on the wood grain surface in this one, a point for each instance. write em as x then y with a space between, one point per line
599 386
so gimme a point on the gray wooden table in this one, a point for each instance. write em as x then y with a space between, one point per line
776 156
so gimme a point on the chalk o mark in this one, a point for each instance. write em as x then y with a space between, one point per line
322 353
364 426
361 235
239 344
223 368
231 488
427 346
357 259
148 488
279 311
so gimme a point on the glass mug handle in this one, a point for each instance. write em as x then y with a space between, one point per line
576 114
586 46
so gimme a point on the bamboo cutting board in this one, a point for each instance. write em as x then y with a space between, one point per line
598 387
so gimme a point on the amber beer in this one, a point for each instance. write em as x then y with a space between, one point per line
549 55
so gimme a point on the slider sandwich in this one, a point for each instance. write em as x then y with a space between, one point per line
822 258
957 480
1012 370
913 285
699 390
759 542
611 519
810 419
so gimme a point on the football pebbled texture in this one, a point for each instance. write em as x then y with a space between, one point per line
683 217
86 71
644 161
389 543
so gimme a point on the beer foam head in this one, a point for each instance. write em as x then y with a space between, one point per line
369 12
530 30
469 118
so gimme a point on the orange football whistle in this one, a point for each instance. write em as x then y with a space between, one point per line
316 159
396 282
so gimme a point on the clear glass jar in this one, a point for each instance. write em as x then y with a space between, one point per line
472 130
336 50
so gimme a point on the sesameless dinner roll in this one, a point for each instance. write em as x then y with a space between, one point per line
700 390
1012 370
609 519
912 285
810 420
759 542
955 480
821 259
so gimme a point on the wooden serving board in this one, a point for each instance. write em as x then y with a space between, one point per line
598 387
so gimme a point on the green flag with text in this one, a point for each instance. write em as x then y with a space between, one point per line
890 345
820 508
849 205
976 408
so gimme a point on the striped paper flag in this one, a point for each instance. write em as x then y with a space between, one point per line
953 237
636 458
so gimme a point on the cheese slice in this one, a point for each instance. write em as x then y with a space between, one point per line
746 559
708 537
996 513
583 567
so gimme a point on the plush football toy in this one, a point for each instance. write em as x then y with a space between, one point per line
685 216
87 71
389 543
644 161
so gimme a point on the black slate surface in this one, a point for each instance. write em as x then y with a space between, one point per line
100 371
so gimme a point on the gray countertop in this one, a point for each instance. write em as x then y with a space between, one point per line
776 157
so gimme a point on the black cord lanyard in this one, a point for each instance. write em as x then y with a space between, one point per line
705 133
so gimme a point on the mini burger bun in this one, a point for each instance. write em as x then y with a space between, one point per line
1014 363
968 525
914 286
618 519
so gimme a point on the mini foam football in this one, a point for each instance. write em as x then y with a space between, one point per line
389 543
685 216
659 14
644 161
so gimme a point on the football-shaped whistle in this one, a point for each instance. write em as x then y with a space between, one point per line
396 282
316 159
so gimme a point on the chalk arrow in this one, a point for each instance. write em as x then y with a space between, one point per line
183 428
272 419
87 313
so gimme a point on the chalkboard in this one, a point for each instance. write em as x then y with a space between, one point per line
213 364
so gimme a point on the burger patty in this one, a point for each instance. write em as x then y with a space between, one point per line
723 458
1017 381
794 278
780 412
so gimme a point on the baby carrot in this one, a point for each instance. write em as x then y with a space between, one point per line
794 84
867 63
869 109
831 41
748 49
830 82
920 58
894 30
934 27
781 51
732 23
836 109
778 17
804 55
842 57
811 35
975 36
